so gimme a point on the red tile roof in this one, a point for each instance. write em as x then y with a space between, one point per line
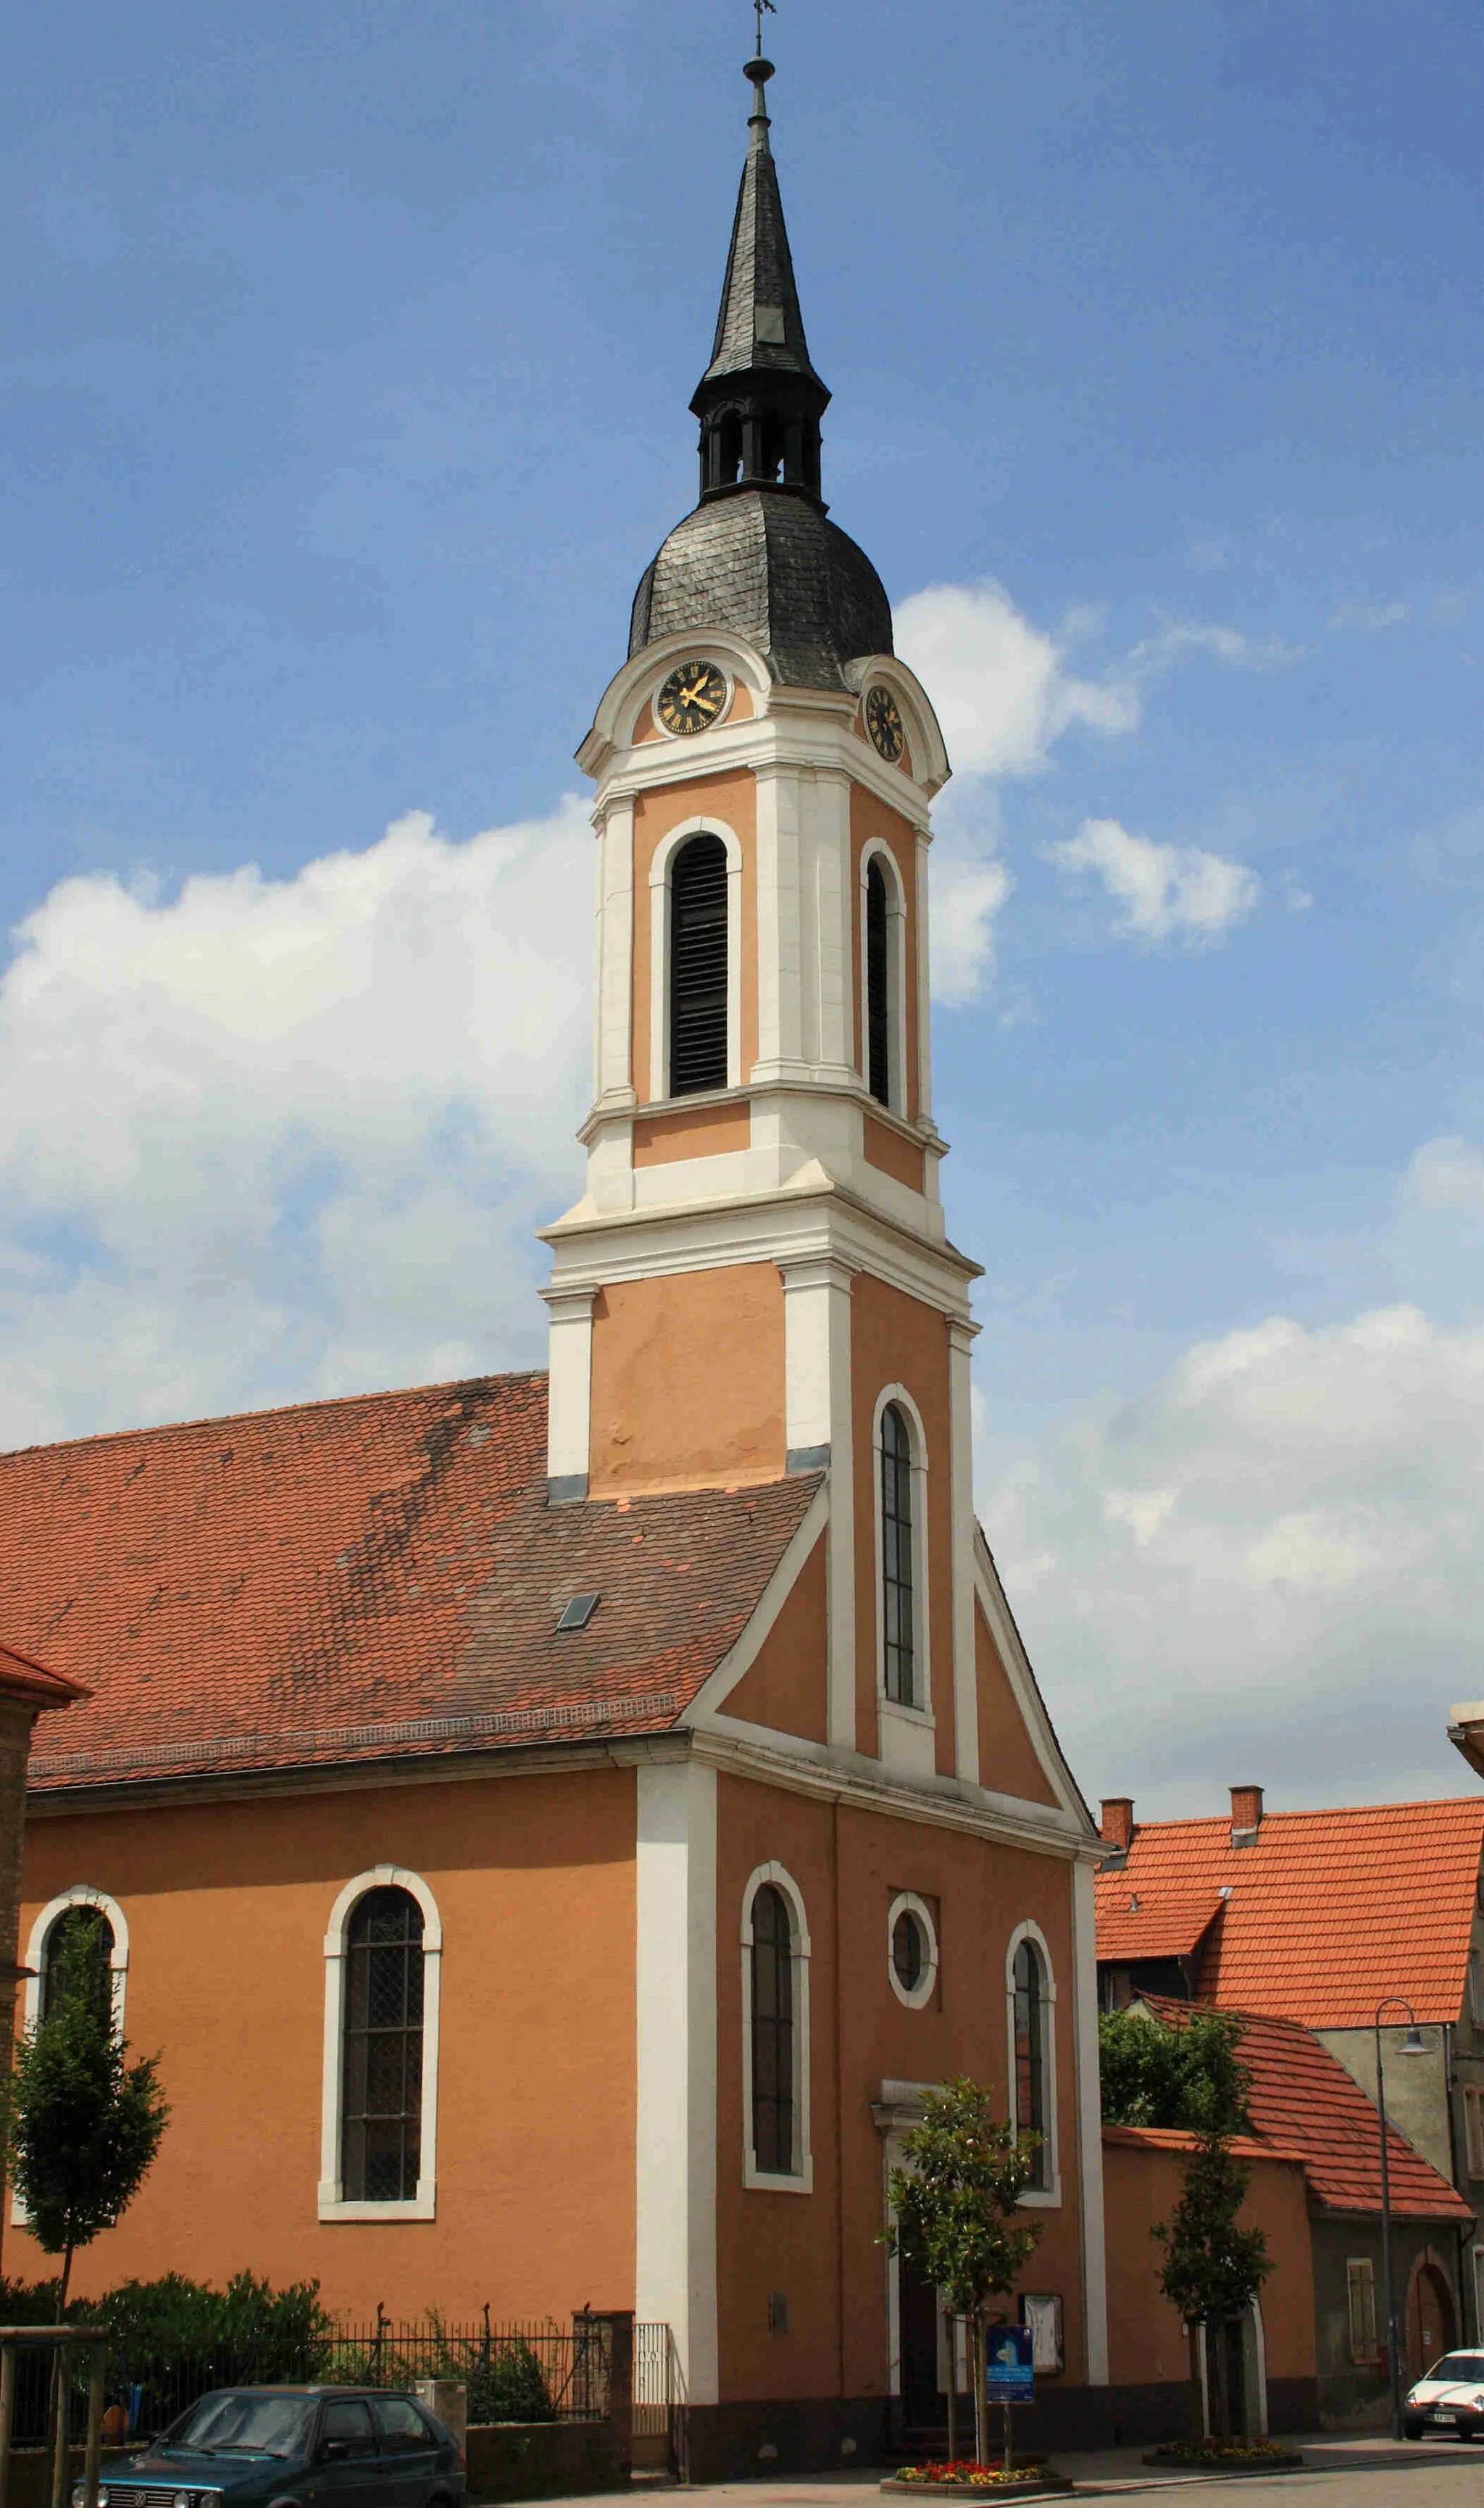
1327 1912
34 1685
1167 2137
375 1576
1166 1926
1304 2100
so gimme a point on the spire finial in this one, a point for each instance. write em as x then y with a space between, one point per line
760 71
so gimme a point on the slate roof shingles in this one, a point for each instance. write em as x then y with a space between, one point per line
1327 1911
324 1581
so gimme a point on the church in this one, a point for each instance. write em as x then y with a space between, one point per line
555 1826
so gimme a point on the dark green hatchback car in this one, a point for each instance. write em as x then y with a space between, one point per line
292 2447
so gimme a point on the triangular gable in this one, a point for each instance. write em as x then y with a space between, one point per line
1024 1699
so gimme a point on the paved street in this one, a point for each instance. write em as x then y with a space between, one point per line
1339 2473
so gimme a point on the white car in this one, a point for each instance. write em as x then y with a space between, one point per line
1448 2399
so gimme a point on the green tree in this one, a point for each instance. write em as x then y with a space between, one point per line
83 2124
1190 2074
956 2222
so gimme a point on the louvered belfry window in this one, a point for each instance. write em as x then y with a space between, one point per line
878 989
698 967
896 1557
382 2102
772 2018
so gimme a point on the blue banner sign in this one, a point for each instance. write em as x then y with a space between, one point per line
1009 2377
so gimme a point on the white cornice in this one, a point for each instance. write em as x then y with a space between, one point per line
801 1767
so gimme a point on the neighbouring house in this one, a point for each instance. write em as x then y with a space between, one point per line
1323 1917
28 1690
553 1827
1271 2356
1304 2102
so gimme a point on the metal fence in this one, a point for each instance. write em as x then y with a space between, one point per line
531 2372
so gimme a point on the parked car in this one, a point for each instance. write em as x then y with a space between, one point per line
292 2447
1449 2397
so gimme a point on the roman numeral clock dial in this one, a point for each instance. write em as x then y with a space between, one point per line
883 721
692 698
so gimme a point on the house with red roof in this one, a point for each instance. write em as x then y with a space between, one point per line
1320 1921
554 1827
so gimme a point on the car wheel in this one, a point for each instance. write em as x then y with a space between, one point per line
1408 2432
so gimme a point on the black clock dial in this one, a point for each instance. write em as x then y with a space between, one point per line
883 721
692 698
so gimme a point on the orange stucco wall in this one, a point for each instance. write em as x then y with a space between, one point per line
1007 1762
227 1907
1141 2184
821 2248
887 1150
896 1340
734 800
703 1133
688 1381
871 820
786 1687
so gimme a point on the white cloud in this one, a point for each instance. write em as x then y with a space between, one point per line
1270 1566
1165 892
967 897
1447 1175
1004 691
1370 617
285 1136
1230 645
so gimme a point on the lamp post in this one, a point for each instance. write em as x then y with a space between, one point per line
1411 2045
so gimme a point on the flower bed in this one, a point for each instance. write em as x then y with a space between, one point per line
1031 2478
1235 2454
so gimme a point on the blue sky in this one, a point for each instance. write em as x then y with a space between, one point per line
346 359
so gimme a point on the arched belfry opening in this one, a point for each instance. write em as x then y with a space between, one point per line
698 967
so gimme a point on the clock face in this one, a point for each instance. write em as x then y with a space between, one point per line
692 698
884 724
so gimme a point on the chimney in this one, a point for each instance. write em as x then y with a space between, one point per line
1246 1813
1116 1823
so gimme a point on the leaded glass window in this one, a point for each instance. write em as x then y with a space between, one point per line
698 884
772 2023
79 1950
381 2098
1030 2055
897 1602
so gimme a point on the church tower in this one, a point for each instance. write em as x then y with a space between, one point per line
756 1281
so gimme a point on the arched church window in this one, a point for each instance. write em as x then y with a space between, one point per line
877 986
699 885
1030 2113
381 2093
897 1563
772 2030
77 1956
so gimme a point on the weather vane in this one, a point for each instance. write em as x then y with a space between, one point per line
758 7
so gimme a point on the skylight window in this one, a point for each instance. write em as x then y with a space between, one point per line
579 1612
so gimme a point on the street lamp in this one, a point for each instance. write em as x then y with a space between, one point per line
1411 2045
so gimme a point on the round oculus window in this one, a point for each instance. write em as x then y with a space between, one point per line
909 1951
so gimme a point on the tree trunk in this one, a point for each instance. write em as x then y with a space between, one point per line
980 2399
952 2399
1215 2370
1197 2408
61 2287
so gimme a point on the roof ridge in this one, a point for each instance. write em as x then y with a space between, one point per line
1334 1811
273 1411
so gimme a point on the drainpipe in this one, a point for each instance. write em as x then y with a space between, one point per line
1467 2301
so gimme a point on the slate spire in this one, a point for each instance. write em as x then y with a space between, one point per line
760 401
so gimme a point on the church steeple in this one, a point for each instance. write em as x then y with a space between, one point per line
760 401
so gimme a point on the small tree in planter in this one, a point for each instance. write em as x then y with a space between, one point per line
956 2222
83 2124
1213 2269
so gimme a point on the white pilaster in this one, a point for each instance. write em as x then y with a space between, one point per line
965 1670
832 1046
1095 2268
614 1025
568 1393
816 1316
676 2142
921 976
780 926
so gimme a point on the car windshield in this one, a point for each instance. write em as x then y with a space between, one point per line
1458 2367
255 2425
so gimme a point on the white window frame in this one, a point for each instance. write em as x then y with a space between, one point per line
1474 2132
333 2205
908 1903
877 850
80 1895
893 1710
801 2179
662 866
1046 2197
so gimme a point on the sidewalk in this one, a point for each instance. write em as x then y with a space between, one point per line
1338 2473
